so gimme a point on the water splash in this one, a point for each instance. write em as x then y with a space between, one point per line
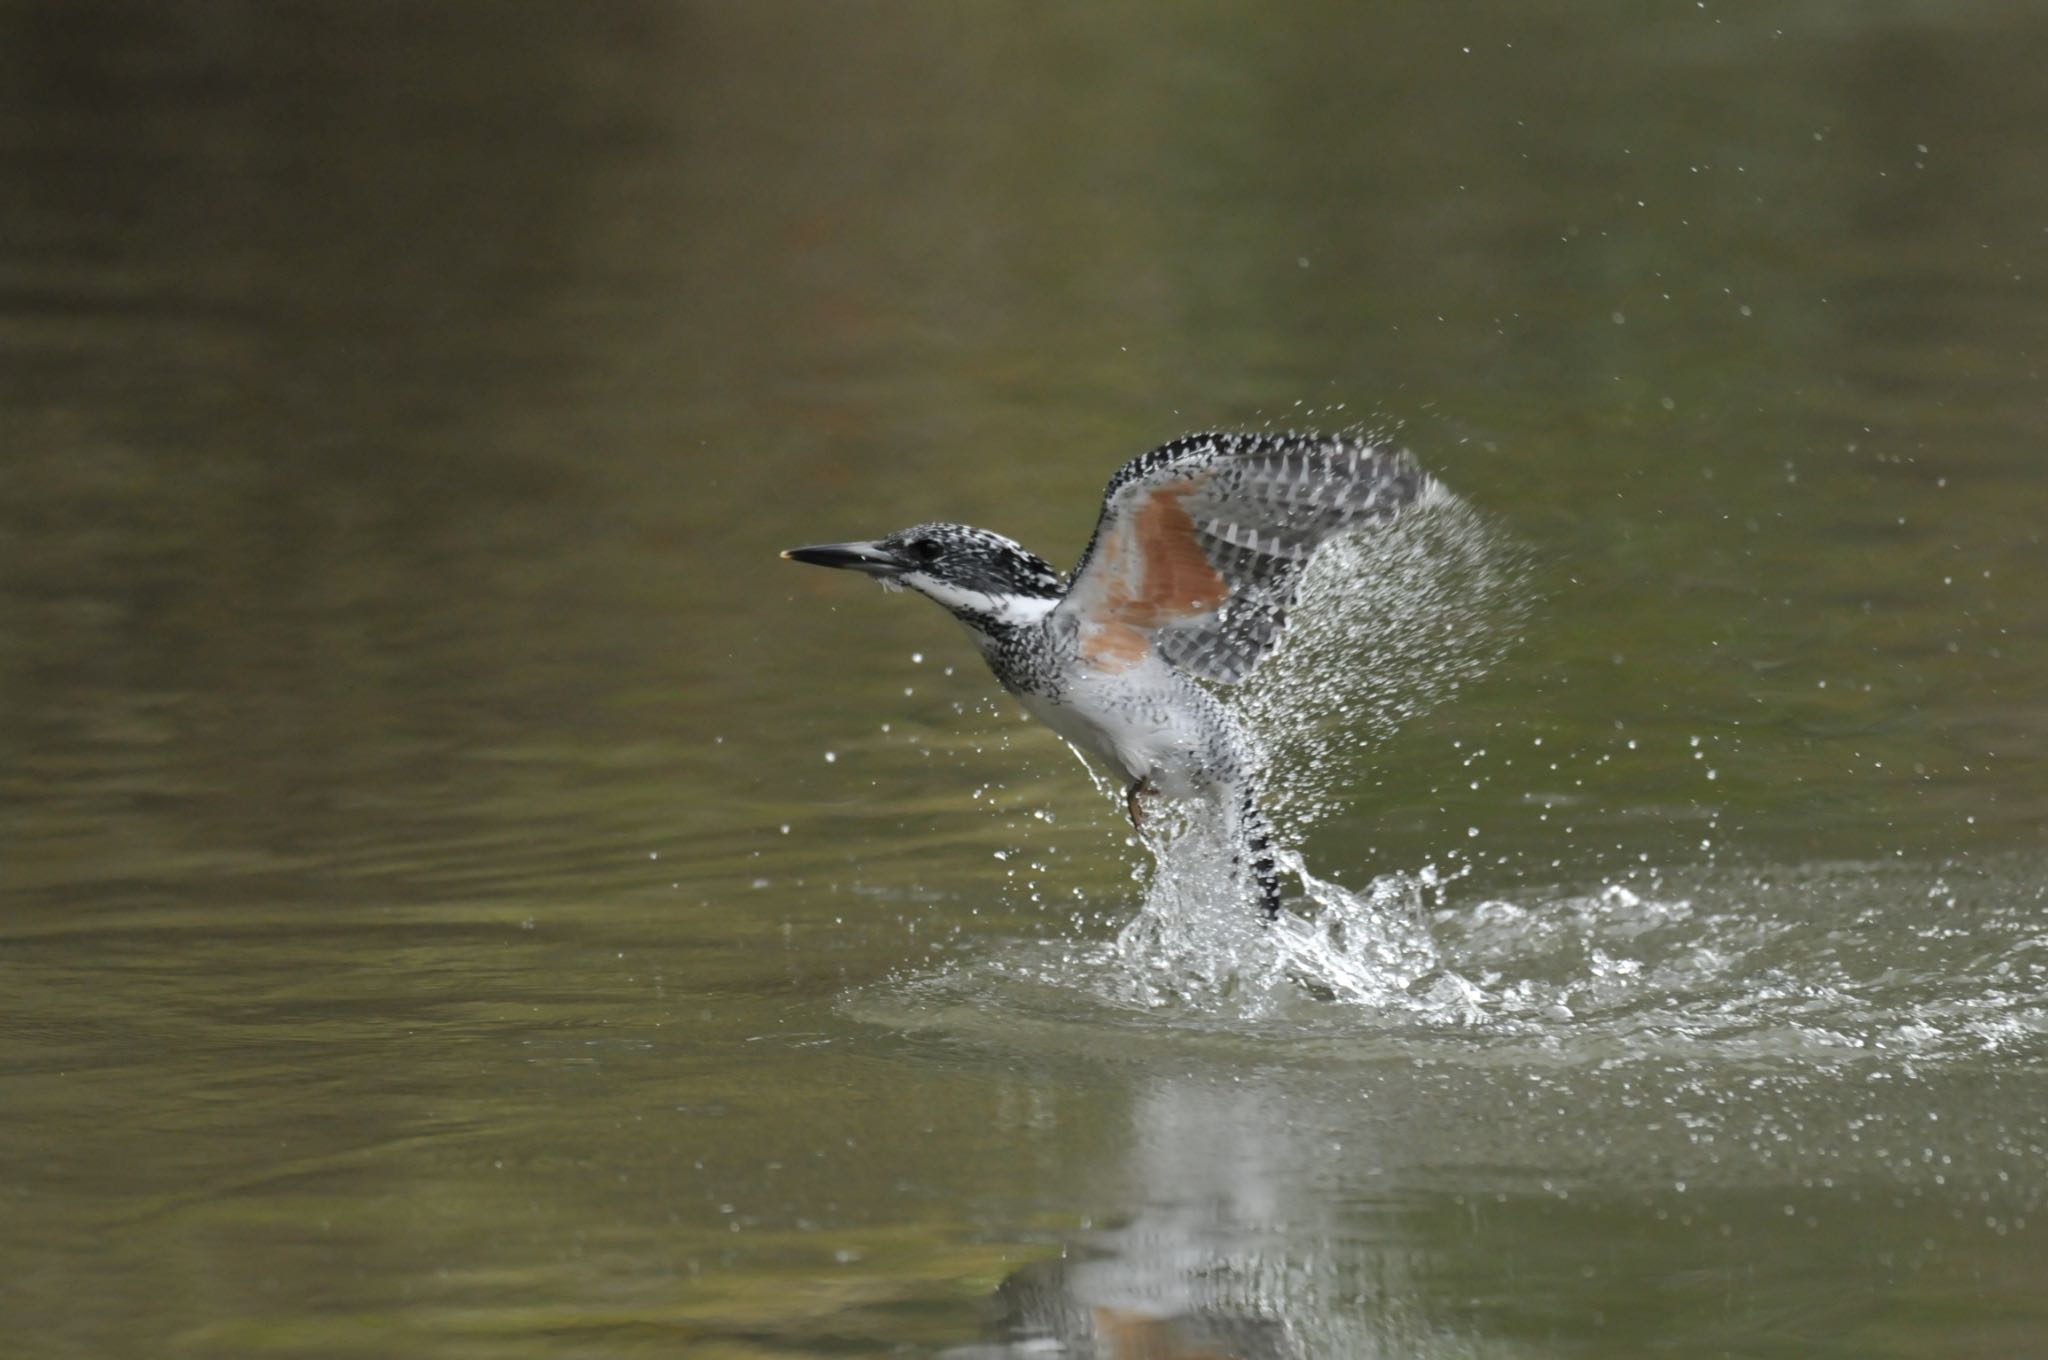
1389 622
1194 943
1806 967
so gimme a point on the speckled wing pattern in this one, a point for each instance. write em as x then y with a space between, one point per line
1201 542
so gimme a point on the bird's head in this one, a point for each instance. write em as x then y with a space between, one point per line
986 580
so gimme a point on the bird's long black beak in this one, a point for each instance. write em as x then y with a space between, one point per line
871 558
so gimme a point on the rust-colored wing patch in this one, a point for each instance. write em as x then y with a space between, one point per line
1158 575
1131 1335
1113 646
1175 578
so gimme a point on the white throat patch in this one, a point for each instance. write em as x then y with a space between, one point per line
1012 611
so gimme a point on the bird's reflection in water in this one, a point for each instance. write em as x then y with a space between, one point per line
1045 1310
1237 1248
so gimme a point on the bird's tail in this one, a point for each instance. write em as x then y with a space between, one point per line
1255 832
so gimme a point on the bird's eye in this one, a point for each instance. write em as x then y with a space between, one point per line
924 549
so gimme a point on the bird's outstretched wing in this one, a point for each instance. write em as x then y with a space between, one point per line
1201 541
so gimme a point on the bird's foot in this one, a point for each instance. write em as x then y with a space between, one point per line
1138 788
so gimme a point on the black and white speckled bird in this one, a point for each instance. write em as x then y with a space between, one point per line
1189 576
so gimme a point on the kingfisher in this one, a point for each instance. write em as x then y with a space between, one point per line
1188 578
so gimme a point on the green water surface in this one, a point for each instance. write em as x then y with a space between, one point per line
462 895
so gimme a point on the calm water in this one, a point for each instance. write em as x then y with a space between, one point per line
462 895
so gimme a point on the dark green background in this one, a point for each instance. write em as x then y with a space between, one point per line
429 916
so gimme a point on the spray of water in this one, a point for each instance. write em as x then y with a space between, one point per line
1389 622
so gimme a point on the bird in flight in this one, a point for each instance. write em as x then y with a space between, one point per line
1189 576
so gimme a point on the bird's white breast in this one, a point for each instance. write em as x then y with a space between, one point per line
1130 725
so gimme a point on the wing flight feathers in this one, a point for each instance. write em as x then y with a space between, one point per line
1201 541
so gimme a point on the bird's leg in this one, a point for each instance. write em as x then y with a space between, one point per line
1138 788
